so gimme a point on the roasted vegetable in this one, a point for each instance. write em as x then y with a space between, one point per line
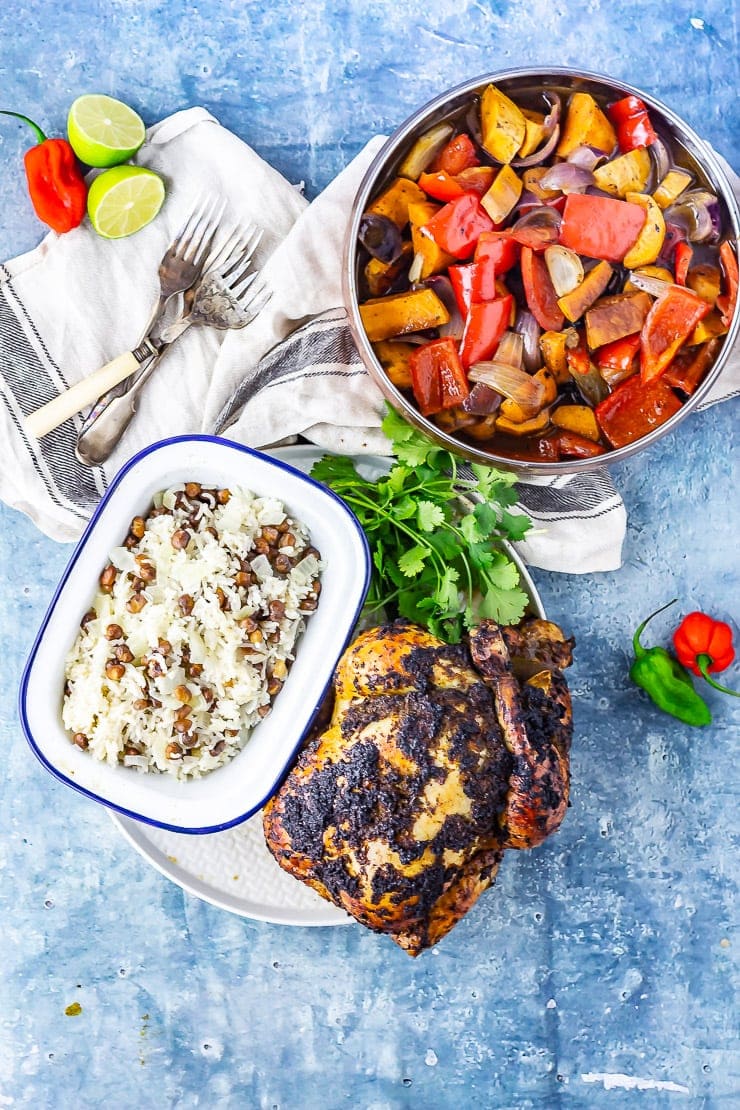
401 313
586 125
503 195
394 201
394 358
650 240
668 325
628 173
593 285
634 409
600 227
612 318
425 150
503 126
577 418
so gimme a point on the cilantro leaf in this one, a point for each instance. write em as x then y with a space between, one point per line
429 516
412 561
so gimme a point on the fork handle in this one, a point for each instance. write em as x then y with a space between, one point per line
100 436
82 394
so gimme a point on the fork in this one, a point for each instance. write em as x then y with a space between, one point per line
227 296
181 265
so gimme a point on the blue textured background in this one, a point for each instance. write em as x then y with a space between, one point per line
610 950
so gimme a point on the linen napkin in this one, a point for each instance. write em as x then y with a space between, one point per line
77 300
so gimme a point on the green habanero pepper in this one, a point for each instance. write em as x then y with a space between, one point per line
664 679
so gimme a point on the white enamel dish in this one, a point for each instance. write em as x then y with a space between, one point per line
232 793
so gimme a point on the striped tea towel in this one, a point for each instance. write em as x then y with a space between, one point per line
77 301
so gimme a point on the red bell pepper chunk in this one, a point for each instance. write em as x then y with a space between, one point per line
728 301
476 179
600 227
499 249
573 446
542 300
619 354
634 409
437 376
668 325
690 366
461 279
457 227
440 185
457 155
485 325
682 260
631 119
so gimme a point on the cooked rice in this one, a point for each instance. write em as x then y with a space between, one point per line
197 682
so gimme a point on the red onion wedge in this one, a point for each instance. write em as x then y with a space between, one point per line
530 331
699 211
567 178
380 237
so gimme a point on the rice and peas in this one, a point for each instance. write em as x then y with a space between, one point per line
192 631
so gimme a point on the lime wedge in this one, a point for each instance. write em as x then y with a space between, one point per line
124 199
103 131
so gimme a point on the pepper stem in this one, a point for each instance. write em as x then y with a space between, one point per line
40 136
703 662
637 647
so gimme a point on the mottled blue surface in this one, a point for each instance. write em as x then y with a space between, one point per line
611 950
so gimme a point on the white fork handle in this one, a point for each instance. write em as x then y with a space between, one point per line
81 395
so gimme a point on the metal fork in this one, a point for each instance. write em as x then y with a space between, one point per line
228 296
181 265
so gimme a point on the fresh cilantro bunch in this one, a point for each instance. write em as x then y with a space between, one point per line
434 535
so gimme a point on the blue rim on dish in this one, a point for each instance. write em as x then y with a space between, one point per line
196 438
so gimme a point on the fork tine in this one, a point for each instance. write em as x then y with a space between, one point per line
186 230
206 225
242 283
243 245
257 299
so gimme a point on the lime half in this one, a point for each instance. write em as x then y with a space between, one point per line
124 199
103 131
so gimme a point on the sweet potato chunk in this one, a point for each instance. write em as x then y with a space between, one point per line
401 313
614 317
393 202
503 127
586 125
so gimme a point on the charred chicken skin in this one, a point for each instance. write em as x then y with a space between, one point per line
437 758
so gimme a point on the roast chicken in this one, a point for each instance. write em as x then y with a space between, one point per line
436 759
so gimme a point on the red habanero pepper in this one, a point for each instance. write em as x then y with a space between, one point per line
457 227
631 119
728 302
703 644
55 183
456 155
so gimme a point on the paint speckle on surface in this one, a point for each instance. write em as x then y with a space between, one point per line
617 1081
73 1010
430 1058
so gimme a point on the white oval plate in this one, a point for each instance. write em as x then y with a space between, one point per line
234 869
